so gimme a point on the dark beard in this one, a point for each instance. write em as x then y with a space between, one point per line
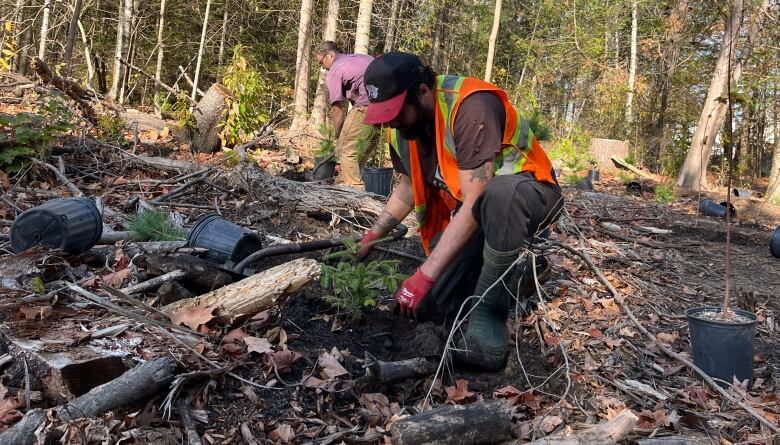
423 128
413 132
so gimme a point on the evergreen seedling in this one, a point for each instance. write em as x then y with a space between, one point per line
155 226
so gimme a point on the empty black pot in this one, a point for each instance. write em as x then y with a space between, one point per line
774 243
584 185
378 180
594 175
224 240
711 208
73 225
741 193
723 350
634 187
324 168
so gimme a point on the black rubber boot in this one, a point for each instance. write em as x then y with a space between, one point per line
483 346
524 285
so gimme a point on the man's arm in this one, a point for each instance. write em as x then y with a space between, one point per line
463 225
338 114
400 203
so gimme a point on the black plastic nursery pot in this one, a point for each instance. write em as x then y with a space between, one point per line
634 187
594 175
774 243
324 168
711 208
585 185
73 225
378 180
741 193
722 349
224 240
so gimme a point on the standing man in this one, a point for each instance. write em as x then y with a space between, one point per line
481 186
345 83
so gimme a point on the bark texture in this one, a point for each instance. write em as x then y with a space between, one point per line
363 26
319 110
208 115
478 423
302 66
492 41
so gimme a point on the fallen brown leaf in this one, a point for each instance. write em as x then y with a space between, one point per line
283 433
116 279
549 423
282 360
259 345
459 392
330 368
377 403
193 317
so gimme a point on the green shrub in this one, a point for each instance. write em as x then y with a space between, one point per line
664 193
29 135
571 180
372 149
355 285
572 150
111 127
155 226
626 177
246 112
539 127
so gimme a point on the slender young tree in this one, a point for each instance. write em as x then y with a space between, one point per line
87 55
492 41
363 26
73 29
44 30
302 66
632 67
224 33
319 110
160 52
121 48
200 51
392 25
773 190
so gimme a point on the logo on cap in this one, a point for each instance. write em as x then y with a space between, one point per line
373 91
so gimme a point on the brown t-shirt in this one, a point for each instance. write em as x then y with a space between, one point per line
479 127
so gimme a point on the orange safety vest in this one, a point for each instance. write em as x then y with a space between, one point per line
520 153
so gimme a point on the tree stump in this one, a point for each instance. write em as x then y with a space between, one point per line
208 115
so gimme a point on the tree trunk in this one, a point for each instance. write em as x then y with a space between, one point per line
693 173
18 25
87 55
224 32
73 28
773 190
391 26
632 68
319 110
677 22
132 45
208 115
363 26
121 49
44 30
492 41
160 51
302 66
200 51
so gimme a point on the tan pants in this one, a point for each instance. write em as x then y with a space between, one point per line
347 146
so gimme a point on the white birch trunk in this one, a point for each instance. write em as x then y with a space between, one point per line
160 52
200 51
44 30
492 41
87 55
773 190
632 67
121 49
363 26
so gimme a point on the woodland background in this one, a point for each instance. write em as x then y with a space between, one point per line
649 72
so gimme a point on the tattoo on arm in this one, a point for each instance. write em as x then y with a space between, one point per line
482 173
385 223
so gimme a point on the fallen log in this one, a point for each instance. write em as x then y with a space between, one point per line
607 433
478 423
201 274
251 295
208 115
135 385
619 163
379 372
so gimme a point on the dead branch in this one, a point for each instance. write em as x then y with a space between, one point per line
188 423
379 372
154 283
478 423
607 433
60 177
137 384
165 86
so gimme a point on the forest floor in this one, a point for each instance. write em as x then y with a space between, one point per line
577 358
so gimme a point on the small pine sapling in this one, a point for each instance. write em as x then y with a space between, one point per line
356 285
155 226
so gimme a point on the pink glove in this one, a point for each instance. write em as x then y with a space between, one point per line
365 244
413 291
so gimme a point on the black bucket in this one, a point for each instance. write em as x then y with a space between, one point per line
224 240
634 187
378 180
774 243
710 208
594 175
72 225
324 168
741 193
723 350
584 185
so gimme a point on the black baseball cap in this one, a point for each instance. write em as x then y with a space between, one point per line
387 78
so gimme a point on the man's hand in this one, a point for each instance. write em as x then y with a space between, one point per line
412 292
366 243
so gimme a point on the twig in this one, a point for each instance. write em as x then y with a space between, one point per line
188 423
137 303
585 257
154 282
61 177
26 385
179 189
158 82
